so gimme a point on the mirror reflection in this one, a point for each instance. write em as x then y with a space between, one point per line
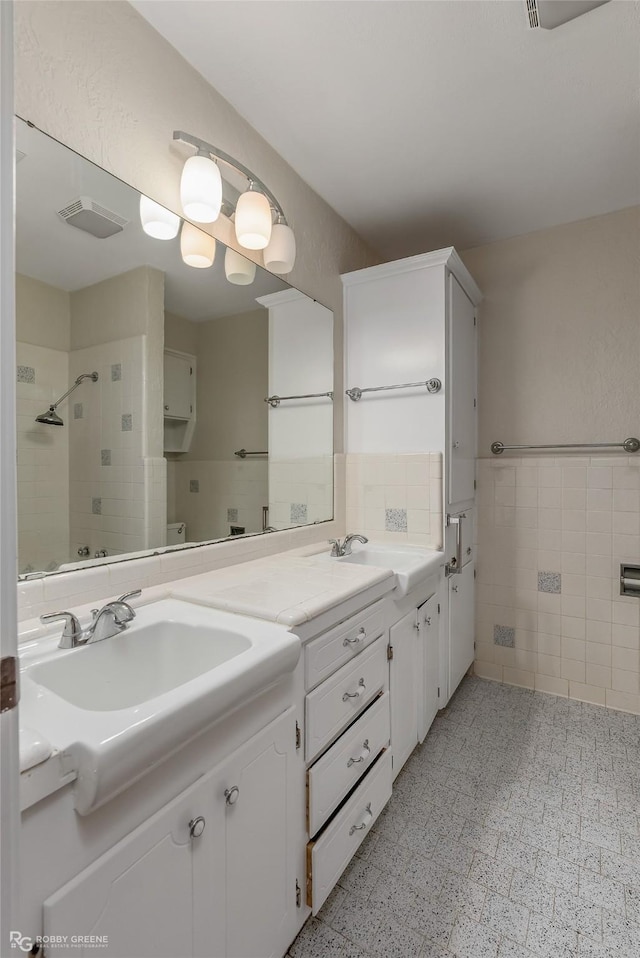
141 381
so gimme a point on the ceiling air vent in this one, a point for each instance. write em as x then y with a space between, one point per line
85 214
551 13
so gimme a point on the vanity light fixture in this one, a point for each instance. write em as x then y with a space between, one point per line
280 254
157 221
256 207
238 269
201 188
197 247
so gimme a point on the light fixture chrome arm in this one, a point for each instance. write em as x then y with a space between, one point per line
219 154
355 393
275 401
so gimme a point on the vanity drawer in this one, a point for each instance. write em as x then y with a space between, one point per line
339 645
335 703
328 855
334 775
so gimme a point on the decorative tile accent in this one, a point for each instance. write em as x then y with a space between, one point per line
395 520
116 372
549 582
26 374
504 635
232 515
194 485
127 422
78 411
96 506
298 512
105 456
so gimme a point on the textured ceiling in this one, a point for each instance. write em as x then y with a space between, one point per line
426 124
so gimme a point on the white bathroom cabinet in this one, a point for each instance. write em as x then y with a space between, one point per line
228 892
409 322
179 400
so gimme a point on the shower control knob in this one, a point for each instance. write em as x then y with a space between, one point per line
196 827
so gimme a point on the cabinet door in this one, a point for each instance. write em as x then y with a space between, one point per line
403 687
429 622
150 894
461 625
461 395
262 825
178 397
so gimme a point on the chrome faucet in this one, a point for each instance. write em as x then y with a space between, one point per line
106 622
339 549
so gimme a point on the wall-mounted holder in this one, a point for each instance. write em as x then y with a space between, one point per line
630 579
355 393
629 445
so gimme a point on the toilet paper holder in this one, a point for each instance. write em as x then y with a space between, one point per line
630 579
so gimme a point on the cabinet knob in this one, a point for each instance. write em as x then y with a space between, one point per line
196 827
428 619
456 444
232 795
166 407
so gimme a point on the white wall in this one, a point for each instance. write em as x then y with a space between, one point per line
559 345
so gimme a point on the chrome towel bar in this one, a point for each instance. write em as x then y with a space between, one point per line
275 401
355 393
243 453
629 445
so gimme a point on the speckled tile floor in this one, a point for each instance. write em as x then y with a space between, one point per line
513 832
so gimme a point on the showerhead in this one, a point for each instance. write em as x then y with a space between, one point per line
50 417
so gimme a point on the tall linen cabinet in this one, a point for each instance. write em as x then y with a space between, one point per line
408 323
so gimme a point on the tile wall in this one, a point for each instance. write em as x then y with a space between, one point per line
396 497
551 536
211 495
43 459
300 490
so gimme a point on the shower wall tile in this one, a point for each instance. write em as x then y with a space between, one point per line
551 534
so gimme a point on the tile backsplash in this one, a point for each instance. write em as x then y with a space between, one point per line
552 533
396 497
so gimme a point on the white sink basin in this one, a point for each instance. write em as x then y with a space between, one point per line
137 665
117 708
411 564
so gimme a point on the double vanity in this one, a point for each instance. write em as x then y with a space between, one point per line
210 770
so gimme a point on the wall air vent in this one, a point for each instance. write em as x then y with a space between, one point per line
551 13
85 214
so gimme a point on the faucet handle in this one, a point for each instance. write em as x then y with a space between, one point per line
335 547
130 595
72 632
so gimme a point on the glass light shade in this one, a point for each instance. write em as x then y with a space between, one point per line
157 221
253 220
201 189
198 248
238 269
280 254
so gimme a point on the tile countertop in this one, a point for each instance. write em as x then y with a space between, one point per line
290 588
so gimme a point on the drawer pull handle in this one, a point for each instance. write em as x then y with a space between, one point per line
358 692
365 753
368 815
232 795
360 637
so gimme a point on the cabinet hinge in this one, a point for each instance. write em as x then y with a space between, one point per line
438 608
474 403
474 320
474 573
298 736
438 691
474 646
298 895
8 683
475 484
190 408
416 625
191 370
389 652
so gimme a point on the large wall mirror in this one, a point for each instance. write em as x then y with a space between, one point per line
164 437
